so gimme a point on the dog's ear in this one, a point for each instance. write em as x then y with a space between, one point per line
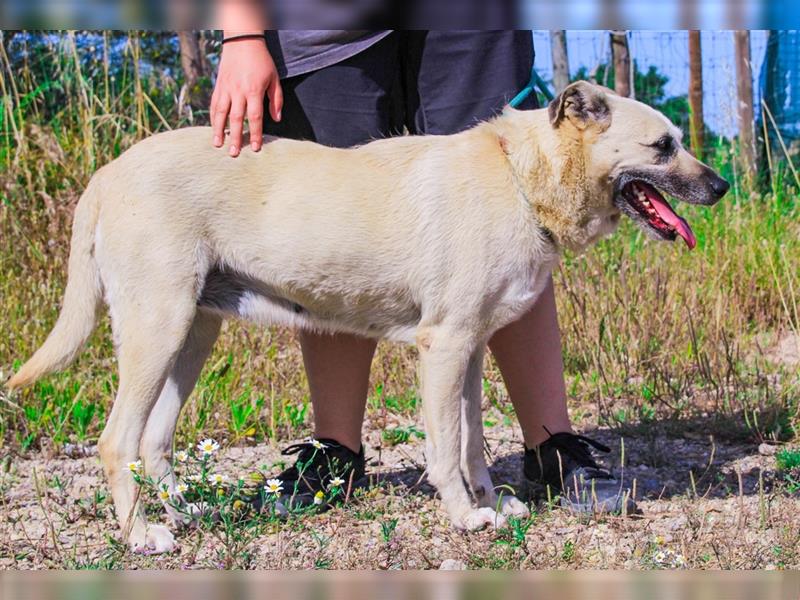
583 104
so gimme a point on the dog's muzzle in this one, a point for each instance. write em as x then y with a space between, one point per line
639 195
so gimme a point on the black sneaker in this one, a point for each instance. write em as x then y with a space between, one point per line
565 464
324 472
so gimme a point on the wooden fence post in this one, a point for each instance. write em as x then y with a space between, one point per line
622 63
696 124
744 93
558 44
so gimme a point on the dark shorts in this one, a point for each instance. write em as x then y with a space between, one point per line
435 82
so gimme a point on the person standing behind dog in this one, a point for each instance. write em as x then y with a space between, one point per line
344 88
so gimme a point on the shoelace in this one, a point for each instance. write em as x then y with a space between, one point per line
310 455
302 448
578 448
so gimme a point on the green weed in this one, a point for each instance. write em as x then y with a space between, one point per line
788 459
402 435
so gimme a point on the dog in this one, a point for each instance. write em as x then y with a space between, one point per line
434 240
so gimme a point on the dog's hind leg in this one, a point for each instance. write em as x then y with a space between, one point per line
156 446
473 463
444 357
150 328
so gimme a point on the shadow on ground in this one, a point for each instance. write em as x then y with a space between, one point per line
662 466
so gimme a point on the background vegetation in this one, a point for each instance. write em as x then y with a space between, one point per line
653 334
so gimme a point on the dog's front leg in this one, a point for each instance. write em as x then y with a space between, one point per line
444 358
473 463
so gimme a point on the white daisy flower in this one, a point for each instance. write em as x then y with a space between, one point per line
273 486
317 444
164 494
182 456
336 482
135 466
208 447
318 497
219 479
181 488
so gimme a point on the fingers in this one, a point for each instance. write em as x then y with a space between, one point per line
275 94
255 120
223 108
236 116
220 106
236 107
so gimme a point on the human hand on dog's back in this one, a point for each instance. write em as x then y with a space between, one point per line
246 72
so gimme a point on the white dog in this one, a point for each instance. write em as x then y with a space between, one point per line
437 240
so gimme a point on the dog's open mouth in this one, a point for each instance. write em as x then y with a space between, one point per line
651 206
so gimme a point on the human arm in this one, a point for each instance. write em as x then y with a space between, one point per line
246 72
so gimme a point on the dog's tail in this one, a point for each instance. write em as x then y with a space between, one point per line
82 297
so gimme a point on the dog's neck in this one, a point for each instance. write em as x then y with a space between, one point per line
550 169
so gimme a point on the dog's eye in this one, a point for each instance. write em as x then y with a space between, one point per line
664 144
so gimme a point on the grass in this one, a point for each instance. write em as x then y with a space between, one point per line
657 340
788 459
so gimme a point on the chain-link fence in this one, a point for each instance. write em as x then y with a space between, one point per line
661 73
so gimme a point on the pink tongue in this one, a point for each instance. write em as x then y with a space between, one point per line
665 211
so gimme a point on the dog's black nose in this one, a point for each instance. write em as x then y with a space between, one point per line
719 185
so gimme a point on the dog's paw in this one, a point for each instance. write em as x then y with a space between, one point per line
481 518
157 540
511 506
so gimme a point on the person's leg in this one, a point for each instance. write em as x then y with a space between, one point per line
528 353
338 375
486 70
342 105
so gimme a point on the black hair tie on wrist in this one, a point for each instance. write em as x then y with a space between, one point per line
245 36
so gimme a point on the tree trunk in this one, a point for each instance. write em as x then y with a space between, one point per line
558 44
195 71
744 92
622 63
696 124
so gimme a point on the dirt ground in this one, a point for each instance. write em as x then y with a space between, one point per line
704 504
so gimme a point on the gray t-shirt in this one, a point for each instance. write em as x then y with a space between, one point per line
301 51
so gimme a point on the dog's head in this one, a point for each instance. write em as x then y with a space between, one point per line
624 155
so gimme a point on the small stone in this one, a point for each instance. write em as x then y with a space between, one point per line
452 564
678 523
79 450
767 449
